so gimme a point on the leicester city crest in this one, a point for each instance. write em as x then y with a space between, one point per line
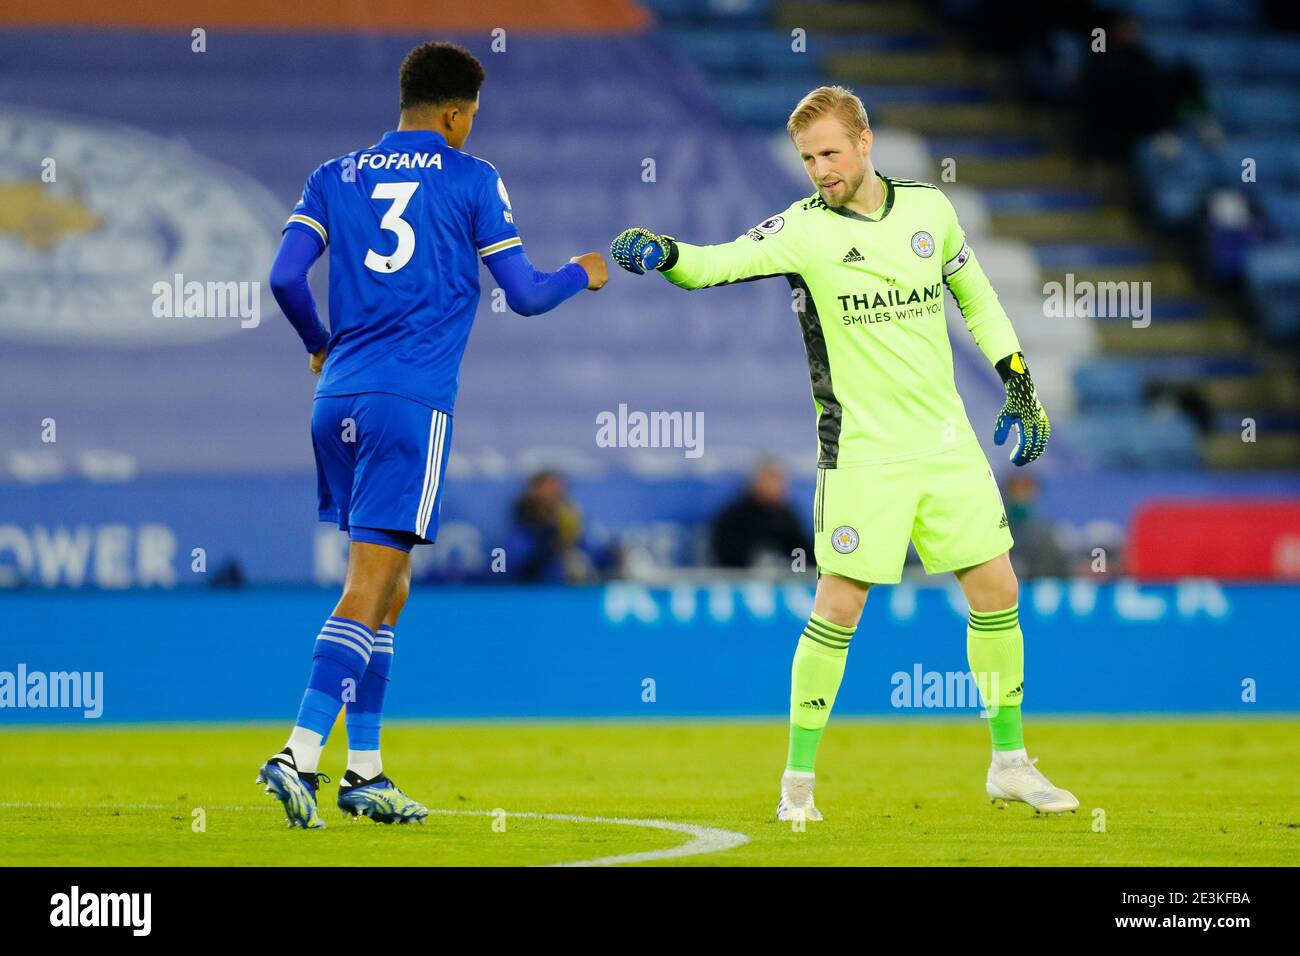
844 539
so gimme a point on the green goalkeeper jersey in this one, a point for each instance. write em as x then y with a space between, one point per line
869 295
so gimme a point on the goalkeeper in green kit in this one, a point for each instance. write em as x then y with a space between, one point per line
867 258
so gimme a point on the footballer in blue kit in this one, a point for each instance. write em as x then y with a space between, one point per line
405 222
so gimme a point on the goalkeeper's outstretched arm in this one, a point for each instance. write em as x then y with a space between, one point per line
763 251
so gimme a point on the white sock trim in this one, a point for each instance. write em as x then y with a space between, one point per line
306 746
1003 758
365 763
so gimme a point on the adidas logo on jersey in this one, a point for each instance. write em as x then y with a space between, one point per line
1003 523
854 256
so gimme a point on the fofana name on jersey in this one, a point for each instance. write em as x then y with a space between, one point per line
399 160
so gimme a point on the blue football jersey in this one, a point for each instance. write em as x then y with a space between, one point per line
405 222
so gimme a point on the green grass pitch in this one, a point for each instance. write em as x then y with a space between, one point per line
898 791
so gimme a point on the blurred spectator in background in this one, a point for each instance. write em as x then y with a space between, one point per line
1037 553
229 574
546 543
1229 234
1121 95
761 526
1125 93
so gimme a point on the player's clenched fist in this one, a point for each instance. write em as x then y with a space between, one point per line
640 250
597 271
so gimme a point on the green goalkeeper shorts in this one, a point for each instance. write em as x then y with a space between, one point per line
948 505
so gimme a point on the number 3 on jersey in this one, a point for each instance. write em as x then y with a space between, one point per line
400 194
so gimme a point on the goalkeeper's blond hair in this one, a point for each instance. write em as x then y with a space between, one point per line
837 100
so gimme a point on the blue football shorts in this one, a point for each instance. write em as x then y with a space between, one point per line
381 461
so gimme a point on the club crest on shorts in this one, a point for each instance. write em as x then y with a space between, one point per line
923 244
844 539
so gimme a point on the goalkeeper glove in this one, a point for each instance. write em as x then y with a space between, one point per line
1022 409
640 251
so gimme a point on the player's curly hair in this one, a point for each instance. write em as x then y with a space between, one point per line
436 73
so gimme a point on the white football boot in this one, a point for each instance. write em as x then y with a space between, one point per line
797 797
1019 781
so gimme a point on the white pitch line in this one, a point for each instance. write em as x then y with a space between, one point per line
704 839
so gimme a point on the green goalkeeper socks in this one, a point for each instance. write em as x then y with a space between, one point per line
814 680
995 649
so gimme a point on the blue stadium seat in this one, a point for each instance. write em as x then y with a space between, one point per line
1282 212
1273 275
1108 385
1176 173
1277 159
767 102
1234 56
726 51
1190 13
1139 440
1256 107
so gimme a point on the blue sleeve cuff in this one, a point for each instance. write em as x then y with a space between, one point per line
529 292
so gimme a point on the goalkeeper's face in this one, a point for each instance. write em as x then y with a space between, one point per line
835 161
